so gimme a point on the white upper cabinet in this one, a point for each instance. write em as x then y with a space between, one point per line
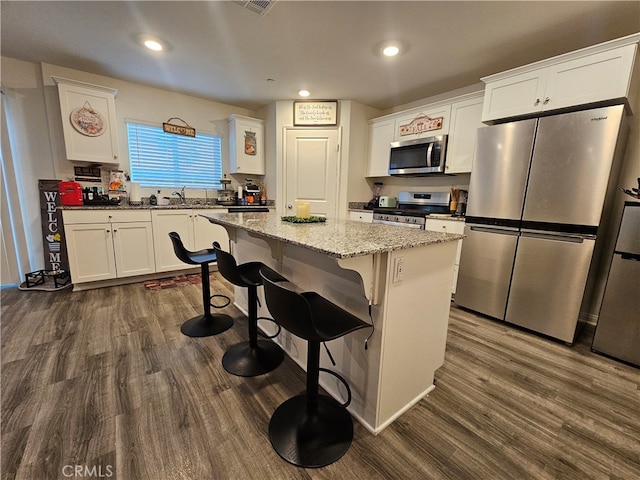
596 74
602 76
422 123
246 145
516 95
88 121
459 118
465 120
381 134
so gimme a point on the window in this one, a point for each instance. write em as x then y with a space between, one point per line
159 159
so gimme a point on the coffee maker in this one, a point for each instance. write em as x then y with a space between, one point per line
251 192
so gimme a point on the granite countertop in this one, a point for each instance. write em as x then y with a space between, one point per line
335 238
194 206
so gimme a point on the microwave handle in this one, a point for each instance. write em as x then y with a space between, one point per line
429 152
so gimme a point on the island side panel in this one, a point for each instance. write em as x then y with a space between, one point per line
315 271
416 321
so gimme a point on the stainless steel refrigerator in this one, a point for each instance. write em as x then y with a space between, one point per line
536 197
618 330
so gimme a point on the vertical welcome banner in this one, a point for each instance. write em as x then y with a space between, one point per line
55 250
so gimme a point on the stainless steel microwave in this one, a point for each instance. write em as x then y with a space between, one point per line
418 157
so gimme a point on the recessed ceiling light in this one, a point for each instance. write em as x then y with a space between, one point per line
391 51
304 93
391 48
153 43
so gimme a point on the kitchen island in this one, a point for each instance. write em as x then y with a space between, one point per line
401 275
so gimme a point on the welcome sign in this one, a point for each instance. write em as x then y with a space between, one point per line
55 250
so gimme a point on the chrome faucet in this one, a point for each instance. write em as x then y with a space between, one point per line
183 199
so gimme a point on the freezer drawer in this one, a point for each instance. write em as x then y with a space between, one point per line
549 278
486 261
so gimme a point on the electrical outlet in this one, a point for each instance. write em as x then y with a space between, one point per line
398 269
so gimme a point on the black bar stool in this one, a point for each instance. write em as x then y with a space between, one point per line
203 325
310 430
254 357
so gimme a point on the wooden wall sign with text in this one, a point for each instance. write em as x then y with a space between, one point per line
421 123
184 130
315 113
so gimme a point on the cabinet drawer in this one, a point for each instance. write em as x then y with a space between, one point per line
361 216
105 216
446 226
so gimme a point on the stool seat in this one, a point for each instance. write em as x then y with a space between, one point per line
310 430
208 324
255 356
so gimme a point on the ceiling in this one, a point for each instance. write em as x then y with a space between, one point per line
221 51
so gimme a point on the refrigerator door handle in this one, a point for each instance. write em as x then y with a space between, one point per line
501 230
574 238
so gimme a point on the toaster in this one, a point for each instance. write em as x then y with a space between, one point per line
388 202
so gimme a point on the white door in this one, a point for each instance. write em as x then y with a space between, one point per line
312 170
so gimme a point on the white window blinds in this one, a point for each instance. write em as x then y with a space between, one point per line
159 159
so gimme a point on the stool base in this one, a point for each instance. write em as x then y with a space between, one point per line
246 361
204 326
311 441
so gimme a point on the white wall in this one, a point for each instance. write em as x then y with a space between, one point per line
28 159
352 121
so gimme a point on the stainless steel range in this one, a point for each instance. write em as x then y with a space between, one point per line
412 209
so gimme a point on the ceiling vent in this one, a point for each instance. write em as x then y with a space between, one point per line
260 7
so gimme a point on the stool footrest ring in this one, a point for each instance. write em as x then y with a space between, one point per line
217 295
343 381
278 330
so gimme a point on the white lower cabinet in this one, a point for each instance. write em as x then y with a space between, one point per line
103 245
448 226
196 233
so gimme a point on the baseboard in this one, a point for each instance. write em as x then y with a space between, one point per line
114 282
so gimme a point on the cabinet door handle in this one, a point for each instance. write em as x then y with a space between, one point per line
108 231
115 230
546 100
289 206
537 101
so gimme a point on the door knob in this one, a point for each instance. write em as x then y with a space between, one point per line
289 206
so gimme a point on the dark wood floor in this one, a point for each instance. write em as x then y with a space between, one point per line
104 380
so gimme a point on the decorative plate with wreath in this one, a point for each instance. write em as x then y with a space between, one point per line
87 121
